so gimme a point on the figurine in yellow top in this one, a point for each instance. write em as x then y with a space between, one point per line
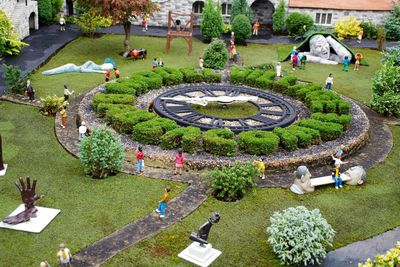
261 167
163 203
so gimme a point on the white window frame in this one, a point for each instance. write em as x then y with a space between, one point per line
199 5
226 12
323 16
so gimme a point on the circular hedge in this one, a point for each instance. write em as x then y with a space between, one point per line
258 142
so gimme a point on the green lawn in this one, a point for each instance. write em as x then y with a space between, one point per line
356 213
234 110
90 209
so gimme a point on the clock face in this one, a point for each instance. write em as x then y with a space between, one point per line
273 111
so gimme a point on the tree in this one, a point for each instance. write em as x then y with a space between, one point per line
215 55
9 42
392 24
122 11
278 18
240 7
45 11
211 20
242 28
295 23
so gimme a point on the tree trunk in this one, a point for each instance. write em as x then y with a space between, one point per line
127 29
1 156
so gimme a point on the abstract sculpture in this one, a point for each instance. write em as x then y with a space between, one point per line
29 198
87 67
203 101
202 235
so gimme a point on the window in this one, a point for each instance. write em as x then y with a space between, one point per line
323 18
198 7
226 9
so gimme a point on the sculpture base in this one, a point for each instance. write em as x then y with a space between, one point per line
3 172
35 225
201 256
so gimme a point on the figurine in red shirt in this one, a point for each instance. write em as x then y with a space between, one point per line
108 73
140 161
179 161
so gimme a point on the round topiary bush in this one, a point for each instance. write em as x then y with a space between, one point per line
215 55
295 23
101 153
258 142
299 236
242 28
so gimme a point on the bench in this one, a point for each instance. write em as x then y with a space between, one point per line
324 180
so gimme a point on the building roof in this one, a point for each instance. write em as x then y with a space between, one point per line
373 5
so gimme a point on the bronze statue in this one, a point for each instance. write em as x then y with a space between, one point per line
202 235
29 198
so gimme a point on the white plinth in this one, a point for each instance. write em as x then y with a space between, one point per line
3 172
201 256
35 225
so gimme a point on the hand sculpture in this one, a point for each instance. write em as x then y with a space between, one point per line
202 235
29 198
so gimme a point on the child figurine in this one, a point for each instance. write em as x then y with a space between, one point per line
295 60
256 27
140 161
144 23
358 61
232 38
179 161
163 203
360 36
160 63
336 176
67 93
155 63
346 63
116 72
329 82
278 70
63 113
292 52
62 23
107 75
261 167
303 60
201 63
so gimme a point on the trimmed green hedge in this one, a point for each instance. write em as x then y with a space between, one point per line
124 122
191 75
282 85
112 99
170 76
119 88
151 131
344 120
187 138
328 130
211 77
102 108
238 76
253 76
287 140
314 134
258 142
151 79
220 142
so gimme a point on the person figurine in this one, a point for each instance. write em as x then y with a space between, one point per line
155 63
150 106
160 63
235 55
304 28
107 75
62 23
360 36
232 38
163 203
63 113
116 72
261 167
303 60
82 130
256 27
64 256
140 161
292 52
67 93
329 82
178 25
201 63
144 23
336 176
30 90
278 70
44 264
295 60
358 61
346 63
179 161
339 152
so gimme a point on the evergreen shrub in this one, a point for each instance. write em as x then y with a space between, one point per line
328 130
220 142
215 55
258 142
124 122
151 131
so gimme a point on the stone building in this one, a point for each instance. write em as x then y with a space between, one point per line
23 14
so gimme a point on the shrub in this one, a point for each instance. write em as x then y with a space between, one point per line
317 106
227 28
188 138
215 55
191 75
45 11
303 92
347 28
314 134
320 95
89 22
328 130
280 86
303 138
392 55
16 83
101 153
9 42
211 20
299 236
119 88
344 120
263 66
387 104
295 23
112 99
170 76
369 30
264 82
114 110
238 75
392 24
151 79
102 108
232 183
287 140
52 104
219 142
241 26
278 18
253 76
56 6
151 131
390 258
258 142
343 107
125 121
211 77
240 7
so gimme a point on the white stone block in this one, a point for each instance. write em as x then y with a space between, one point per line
201 256
35 225
3 172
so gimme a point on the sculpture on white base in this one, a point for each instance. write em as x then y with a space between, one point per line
203 101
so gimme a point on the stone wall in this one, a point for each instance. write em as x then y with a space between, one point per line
376 17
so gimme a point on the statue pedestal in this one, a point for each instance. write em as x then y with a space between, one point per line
35 225
3 172
201 256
